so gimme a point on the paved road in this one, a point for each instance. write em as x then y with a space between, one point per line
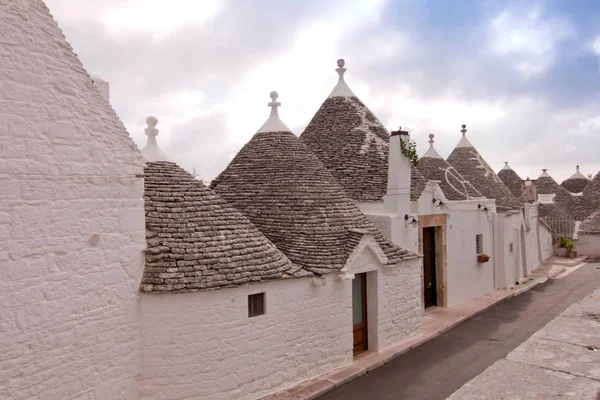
438 368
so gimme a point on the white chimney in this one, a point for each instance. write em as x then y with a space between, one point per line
397 199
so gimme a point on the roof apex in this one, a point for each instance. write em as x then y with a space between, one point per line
464 142
506 167
431 152
577 174
274 123
152 152
341 89
544 174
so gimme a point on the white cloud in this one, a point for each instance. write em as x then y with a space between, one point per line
159 18
528 37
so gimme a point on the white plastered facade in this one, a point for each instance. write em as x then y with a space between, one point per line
204 345
71 223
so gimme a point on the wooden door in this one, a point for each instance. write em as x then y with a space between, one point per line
429 281
359 312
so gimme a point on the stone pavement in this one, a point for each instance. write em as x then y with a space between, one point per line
560 361
435 322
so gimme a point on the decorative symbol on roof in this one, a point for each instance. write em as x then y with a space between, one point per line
431 136
464 130
452 175
431 152
365 125
482 165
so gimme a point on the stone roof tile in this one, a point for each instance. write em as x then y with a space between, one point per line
197 241
471 165
352 144
511 180
283 188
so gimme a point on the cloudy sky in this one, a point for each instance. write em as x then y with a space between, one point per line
523 75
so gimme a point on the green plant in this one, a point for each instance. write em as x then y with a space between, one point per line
409 149
566 243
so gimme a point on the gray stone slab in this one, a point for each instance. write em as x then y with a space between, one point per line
558 356
507 380
580 331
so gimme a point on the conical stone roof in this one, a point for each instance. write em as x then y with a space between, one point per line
197 241
433 167
576 182
569 204
417 184
471 165
283 188
351 142
511 180
592 223
590 201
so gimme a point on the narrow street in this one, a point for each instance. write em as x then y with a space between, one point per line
438 368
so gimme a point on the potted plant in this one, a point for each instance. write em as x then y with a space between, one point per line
570 252
483 258
565 248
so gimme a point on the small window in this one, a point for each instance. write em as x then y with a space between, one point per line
256 304
479 244
510 247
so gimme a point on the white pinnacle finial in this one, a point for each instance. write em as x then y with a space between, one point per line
274 124
545 173
506 167
577 174
431 152
464 142
341 89
274 104
152 152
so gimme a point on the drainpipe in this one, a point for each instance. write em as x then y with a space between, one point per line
494 249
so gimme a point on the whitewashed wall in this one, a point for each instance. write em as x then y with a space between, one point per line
509 227
532 242
467 278
546 246
394 299
204 346
69 317
588 244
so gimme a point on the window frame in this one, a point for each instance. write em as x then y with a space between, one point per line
257 307
479 244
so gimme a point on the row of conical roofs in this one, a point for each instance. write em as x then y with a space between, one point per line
292 200
276 211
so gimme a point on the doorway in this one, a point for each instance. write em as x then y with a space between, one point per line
359 312
429 267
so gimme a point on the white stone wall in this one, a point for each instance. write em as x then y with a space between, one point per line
532 243
588 244
394 306
203 345
466 277
510 228
546 246
69 318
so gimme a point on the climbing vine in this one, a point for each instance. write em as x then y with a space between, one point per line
409 149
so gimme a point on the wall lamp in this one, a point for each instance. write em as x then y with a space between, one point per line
482 207
438 201
410 219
